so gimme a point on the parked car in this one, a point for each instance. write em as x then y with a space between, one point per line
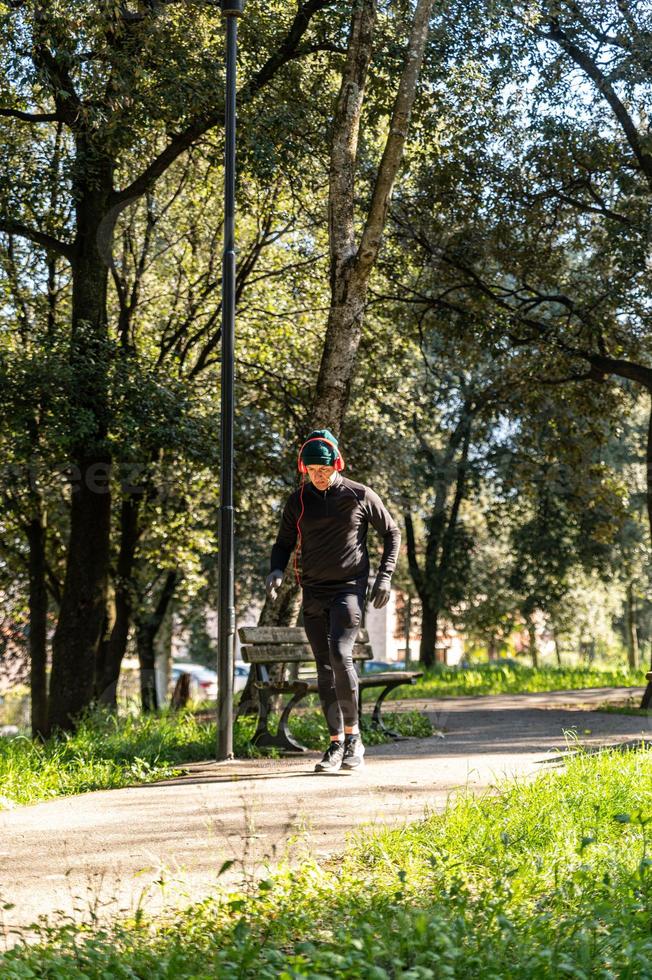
377 666
505 662
241 675
203 680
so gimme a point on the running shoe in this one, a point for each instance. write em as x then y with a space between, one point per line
332 758
353 752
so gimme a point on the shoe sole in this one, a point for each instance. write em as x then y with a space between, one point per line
322 766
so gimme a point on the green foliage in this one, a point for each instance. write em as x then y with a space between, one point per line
104 753
547 878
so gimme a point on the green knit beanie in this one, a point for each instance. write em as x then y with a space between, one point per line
319 453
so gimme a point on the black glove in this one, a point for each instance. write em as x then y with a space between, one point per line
273 584
380 592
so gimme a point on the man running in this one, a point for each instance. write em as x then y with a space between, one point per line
327 519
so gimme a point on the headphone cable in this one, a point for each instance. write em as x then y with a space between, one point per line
297 550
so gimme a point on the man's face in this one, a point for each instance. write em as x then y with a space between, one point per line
320 476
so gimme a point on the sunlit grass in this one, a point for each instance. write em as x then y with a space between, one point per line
497 678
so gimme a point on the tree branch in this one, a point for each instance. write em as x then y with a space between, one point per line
48 242
307 49
59 79
415 571
590 375
36 117
620 367
460 487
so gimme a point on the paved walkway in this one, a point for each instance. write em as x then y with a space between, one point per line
106 852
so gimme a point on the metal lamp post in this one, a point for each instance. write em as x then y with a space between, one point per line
231 11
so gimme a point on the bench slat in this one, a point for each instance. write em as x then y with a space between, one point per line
377 677
293 653
270 635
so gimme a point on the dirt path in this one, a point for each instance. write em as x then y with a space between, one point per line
104 853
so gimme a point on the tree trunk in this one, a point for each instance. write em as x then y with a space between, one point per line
431 582
439 551
83 603
109 666
145 635
648 468
147 628
163 652
534 653
631 628
351 260
557 647
103 649
492 648
646 701
428 633
38 612
343 332
647 695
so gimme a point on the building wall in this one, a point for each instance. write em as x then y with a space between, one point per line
380 626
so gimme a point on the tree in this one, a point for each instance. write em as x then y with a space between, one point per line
550 217
90 70
442 576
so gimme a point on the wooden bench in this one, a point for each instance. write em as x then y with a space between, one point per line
266 646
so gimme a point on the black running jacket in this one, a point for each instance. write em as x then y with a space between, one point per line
334 535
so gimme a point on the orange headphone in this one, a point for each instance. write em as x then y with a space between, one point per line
338 463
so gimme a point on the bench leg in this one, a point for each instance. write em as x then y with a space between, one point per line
262 730
284 728
283 739
376 718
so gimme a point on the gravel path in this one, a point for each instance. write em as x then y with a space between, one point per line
162 845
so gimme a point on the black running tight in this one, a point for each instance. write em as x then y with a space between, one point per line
331 621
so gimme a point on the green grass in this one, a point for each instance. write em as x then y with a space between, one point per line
546 879
500 678
625 709
107 753
103 753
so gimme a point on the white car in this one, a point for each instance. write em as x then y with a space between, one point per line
241 675
203 680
